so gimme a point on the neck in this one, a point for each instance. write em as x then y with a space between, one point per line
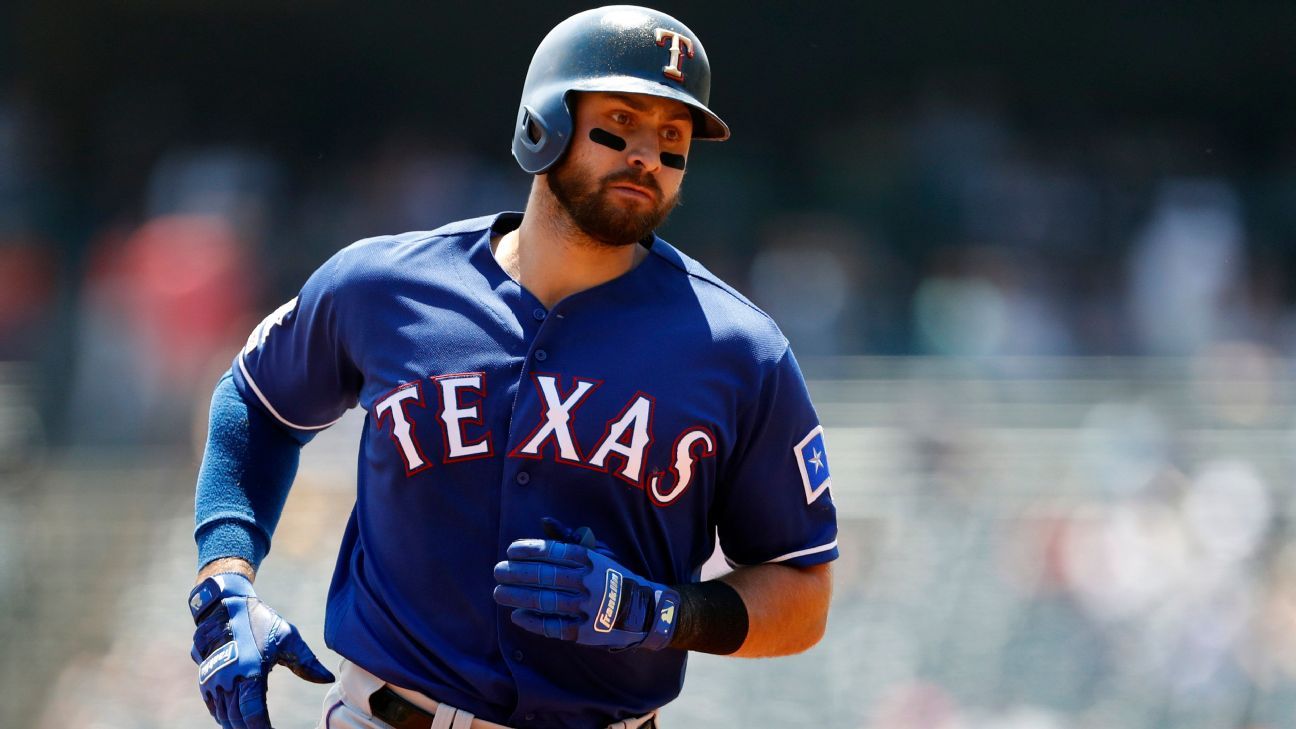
552 258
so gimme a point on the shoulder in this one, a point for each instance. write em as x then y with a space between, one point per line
731 317
384 257
386 249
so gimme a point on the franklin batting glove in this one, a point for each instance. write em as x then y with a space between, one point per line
572 588
238 640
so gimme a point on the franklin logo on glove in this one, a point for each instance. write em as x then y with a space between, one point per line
611 600
221 658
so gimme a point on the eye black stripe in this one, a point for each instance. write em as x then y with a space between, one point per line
607 139
670 159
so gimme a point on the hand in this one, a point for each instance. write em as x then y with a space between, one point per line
238 640
571 587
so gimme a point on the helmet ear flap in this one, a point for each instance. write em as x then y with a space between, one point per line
540 138
532 129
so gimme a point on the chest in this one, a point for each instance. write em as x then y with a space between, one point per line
605 396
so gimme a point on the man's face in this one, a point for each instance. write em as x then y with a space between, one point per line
619 196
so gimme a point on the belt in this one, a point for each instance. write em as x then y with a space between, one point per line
399 712
405 709
384 702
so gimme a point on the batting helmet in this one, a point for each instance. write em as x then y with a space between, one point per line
619 48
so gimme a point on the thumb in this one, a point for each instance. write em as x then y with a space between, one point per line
556 530
297 657
584 536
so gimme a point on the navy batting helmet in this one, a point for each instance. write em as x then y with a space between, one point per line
619 48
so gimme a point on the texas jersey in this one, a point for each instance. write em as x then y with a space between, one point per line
660 409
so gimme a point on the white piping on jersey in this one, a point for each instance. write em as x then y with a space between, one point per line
252 383
790 555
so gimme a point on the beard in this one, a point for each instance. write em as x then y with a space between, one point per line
589 205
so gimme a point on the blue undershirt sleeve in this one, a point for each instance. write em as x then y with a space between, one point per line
247 468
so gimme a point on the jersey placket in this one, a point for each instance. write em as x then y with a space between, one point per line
522 477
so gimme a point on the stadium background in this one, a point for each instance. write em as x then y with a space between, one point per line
1036 257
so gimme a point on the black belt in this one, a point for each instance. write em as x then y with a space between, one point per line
399 712
395 710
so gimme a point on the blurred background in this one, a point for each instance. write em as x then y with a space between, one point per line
1037 259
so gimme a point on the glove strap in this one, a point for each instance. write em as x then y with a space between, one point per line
663 627
212 590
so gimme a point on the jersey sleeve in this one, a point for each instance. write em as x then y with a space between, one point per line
295 364
776 505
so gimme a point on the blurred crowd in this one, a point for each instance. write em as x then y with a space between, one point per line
1070 548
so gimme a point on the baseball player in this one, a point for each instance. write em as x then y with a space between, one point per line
563 413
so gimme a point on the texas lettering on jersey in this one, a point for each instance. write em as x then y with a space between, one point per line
627 436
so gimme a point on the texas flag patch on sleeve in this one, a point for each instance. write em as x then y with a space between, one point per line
812 458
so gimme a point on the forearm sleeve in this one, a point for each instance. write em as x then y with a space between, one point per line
247 468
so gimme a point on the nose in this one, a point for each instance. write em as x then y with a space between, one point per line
644 152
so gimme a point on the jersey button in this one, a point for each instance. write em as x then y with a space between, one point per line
541 355
529 717
517 656
523 478
539 314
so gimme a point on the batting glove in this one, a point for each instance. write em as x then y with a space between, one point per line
572 588
238 640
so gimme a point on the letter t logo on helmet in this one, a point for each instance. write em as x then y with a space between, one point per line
674 69
615 49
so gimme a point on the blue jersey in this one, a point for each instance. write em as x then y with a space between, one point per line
661 409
